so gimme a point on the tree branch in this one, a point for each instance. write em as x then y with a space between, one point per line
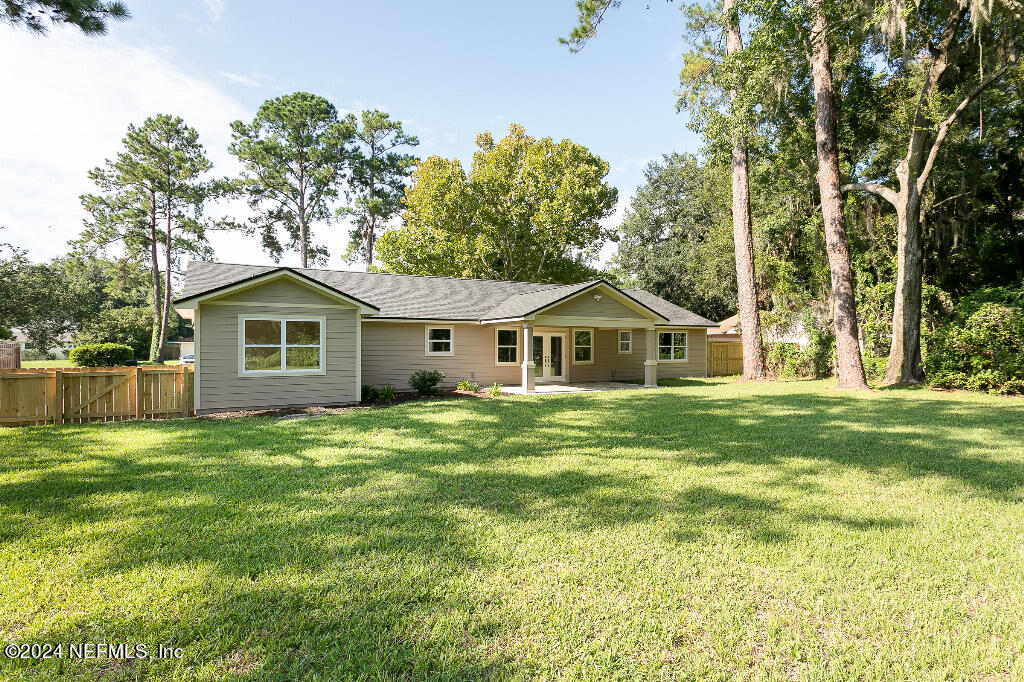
944 127
873 187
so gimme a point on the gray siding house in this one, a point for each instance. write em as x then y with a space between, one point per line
268 336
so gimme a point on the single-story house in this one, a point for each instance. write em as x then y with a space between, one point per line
180 347
268 336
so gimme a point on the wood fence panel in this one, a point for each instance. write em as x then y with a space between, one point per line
726 358
60 396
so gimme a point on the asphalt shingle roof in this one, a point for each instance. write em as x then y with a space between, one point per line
427 298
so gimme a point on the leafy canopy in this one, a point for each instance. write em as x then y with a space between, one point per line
91 16
529 209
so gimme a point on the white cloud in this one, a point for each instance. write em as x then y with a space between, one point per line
65 109
254 80
214 9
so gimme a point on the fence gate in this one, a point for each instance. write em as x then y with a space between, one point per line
726 358
10 355
57 396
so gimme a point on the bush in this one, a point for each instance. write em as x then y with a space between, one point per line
387 393
369 393
786 361
874 367
470 386
101 355
425 381
494 390
984 352
132 327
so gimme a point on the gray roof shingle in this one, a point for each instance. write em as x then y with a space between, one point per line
426 298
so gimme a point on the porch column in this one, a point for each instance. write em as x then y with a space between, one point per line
651 361
529 366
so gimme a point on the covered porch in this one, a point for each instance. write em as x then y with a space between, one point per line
574 387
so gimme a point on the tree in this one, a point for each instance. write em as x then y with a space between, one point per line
378 180
591 13
153 195
294 154
844 303
131 326
91 16
528 210
675 238
931 55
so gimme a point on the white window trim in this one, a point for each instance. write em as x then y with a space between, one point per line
618 341
574 346
519 346
686 348
426 339
242 371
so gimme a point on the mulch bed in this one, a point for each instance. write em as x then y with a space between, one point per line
299 412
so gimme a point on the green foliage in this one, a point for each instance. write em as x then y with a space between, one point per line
676 237
425 381
470 386
89 16
528 210
874 367
132 327
982 351
369 394
816 360
294 154
101 355
378 180
493 391
387 394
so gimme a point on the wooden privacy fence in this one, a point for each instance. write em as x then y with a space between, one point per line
726 358
74 396
10 355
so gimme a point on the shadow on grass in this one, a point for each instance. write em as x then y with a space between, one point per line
350 545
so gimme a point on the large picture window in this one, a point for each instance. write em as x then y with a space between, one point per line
582 346
440 341
508 346
282 345
672 346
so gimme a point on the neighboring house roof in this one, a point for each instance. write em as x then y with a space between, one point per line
427 298
730 325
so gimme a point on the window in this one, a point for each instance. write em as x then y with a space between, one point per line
582 346
282 345
440 340
625 341
672 346
508 346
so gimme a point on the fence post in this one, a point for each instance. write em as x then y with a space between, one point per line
58 396
137 380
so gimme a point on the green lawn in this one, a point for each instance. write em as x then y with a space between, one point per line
712 530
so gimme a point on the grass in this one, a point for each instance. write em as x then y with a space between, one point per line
712 530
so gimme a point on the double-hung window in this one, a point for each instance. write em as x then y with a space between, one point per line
625 341
507 342
440 341
672 346
582 346
282 345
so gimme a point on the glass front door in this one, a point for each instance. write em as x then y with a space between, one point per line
548 352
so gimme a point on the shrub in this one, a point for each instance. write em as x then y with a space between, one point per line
100 355
470 386
984 352
494 390
874 367
425 381
785 360
387 393
131 327
369 393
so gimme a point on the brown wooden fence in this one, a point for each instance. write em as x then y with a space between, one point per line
726 358
74 396
10 355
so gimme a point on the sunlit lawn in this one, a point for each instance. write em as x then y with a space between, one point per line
712 530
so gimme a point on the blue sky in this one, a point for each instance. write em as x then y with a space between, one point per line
447 69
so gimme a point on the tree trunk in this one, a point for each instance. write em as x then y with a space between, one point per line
904 365
844 305
371 230
303 242
742 232
166 311
154 267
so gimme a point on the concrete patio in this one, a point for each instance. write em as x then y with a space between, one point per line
575 387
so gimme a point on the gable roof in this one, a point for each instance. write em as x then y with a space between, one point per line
414 297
